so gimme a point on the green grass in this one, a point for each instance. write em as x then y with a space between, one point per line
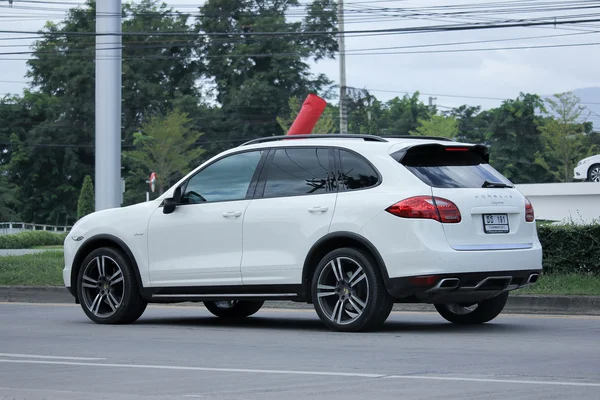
41 269
45 269
571 284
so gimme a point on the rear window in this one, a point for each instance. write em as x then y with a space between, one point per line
451 166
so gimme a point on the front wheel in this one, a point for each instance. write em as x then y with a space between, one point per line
233 309
349 293
107 288
470 314
594 173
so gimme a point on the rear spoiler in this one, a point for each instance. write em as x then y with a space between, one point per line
412 154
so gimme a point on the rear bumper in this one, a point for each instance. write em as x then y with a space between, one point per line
459 287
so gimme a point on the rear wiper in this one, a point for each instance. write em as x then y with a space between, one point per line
488 184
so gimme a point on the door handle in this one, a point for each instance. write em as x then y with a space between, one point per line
318 209
232 214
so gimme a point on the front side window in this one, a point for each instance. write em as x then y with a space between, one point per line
299 171
227 179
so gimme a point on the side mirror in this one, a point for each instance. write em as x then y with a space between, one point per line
171 203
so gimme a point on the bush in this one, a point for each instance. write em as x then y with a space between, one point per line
28 240
570 248
86 205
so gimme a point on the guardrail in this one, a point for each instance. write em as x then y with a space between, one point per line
7 228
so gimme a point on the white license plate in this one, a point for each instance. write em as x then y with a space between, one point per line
495 223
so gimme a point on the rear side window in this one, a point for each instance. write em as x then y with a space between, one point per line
299 171
451 166
355 172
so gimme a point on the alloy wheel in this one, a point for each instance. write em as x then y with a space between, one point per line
595 174
103 286
343 290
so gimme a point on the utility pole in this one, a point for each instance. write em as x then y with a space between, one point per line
431 100
342 51
108 104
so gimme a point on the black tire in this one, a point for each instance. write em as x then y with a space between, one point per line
594 173
361 306
485 311
129 305
236 309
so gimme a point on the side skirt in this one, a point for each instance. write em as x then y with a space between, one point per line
181 294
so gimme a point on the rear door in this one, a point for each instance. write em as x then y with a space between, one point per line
293 207
492 209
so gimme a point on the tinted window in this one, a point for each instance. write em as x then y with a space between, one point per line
225 180
356 173
299 171
455 168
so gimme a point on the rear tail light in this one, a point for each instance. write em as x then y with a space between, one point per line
529 214
427 207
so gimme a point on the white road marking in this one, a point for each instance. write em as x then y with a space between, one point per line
488 380
309 373
14 355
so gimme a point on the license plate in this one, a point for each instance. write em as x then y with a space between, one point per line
495 223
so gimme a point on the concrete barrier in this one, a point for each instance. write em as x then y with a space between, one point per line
565 202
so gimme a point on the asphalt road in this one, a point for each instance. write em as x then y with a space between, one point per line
55 352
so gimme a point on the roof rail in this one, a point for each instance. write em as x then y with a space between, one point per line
368 138
418 137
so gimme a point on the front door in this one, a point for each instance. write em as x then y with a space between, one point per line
200 243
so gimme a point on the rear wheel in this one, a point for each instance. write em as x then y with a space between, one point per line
478 313
107 288
233 309
349 293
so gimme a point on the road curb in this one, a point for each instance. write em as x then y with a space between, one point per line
518 304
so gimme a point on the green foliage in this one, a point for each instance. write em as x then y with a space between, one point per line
166 145
254 82
564 137
401 115
571 248
474 125
86 204
40 269
437 125
516 139
31 239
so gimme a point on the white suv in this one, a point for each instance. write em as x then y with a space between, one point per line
349 223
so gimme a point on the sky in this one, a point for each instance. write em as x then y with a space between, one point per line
453 78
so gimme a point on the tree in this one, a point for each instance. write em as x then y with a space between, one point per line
564 137
262 61
474 125
46 170
401 115
437 125
8 199
167 146
86 204
516 139
159 73
325 124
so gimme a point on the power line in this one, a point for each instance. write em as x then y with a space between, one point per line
420 29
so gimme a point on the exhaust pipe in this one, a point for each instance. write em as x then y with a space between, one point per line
447 284
532 279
